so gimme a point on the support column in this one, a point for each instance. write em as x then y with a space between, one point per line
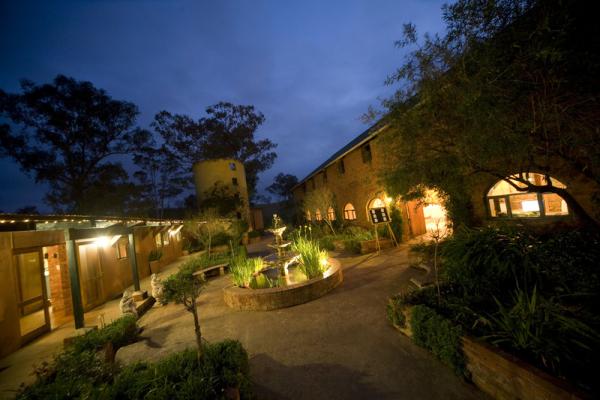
75 283
133 262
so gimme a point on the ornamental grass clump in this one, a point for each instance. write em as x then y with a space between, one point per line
243 269
313 260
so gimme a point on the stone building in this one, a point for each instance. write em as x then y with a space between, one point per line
54 269
351 174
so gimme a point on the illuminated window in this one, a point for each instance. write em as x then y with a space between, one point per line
331 214
376 203
308 216
341 167
121 249
318 215
505 200
365 151
232 166
165 238
158 240
349 212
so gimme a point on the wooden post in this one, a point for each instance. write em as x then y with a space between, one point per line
75 284
133 262
392 234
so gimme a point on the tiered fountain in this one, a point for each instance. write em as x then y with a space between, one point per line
282 284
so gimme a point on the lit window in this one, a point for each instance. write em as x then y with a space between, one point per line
165 238
121 249
331 214
318 215
376 203
232 166
341 167
349 212
505 200
158 240
365 151
308 216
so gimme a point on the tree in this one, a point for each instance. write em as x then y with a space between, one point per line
282 185
204 226
160 177
70 134
222 200
321 199
510 88
184 287
228 131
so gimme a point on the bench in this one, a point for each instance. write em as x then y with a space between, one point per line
215 270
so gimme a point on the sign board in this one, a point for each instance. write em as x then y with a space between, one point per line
379 215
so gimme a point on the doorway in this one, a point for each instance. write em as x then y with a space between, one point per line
90 276
31 294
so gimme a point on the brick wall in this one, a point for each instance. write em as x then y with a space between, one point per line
60 286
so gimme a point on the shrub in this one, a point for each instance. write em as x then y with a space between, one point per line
313 260
118 333
396 223
155 255
542 331
242 269
394 311
439 335
183 376
326 242
70 375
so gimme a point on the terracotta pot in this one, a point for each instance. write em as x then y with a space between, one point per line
155 266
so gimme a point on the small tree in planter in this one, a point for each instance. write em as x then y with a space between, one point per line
184 287
204 227
321 199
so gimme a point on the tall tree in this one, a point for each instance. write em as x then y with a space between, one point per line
510 88
282 185
70 134
160 178
227 131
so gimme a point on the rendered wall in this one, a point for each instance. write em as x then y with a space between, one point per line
210 172
10 332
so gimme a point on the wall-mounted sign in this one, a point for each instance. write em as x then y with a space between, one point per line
379 215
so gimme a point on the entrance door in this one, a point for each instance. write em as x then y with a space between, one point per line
417 220
31 292
90 275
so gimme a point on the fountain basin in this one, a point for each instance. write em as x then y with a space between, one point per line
286 296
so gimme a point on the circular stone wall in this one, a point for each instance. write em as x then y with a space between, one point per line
274 298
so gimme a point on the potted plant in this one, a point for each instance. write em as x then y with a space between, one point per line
154 260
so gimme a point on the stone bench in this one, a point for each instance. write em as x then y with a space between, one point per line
215 270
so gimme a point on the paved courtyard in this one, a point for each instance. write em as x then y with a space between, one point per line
337 347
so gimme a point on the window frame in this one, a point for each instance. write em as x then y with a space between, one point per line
341 166
366 154
351 212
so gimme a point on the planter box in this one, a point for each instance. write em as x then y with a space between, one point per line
370 246
504 376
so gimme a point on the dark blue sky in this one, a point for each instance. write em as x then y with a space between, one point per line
312 67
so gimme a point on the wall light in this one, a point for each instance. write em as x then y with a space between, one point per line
175 231
105 241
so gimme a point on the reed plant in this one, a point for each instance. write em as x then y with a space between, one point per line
243 269
313 260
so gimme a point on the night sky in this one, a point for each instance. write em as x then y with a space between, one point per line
312 67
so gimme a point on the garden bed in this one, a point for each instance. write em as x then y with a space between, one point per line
495 372
281 297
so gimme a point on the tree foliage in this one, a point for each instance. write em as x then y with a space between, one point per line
282 185
227 131
509 88
70 133
321 199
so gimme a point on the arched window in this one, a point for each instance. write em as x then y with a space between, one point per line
318 215
349 212
376 203
504 200
308 217
330 214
